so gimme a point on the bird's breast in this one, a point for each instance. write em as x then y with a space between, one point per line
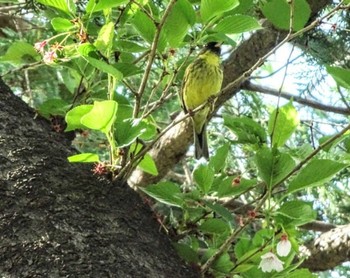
202 83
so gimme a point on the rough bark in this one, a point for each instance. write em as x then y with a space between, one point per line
328 250
170 150
58 220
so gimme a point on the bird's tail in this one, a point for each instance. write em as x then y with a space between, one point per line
201 143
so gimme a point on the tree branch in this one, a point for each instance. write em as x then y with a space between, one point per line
248 85
328 250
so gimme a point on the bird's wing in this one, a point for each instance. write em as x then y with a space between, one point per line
183 87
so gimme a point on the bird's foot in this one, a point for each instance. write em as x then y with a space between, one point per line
211 100
190 112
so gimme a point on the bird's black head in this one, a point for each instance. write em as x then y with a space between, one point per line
214 47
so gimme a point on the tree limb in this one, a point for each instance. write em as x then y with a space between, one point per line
328 250
248 85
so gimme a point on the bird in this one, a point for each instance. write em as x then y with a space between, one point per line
201 84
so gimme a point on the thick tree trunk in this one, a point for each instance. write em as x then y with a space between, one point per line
58 220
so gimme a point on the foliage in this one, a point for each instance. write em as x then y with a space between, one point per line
120 64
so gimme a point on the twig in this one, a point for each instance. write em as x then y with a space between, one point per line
281 86
343 97
276 71
311 155
151 57
143 9
143 55
132 90
153 91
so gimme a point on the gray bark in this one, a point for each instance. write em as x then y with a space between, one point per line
58 220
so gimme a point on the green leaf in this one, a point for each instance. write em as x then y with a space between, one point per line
86 50
212 8
98 5
242 247
151 129
146 28
186 252
103 66
278 12
262 237
104 40
227 189
273 166
218 160
329 146
236 24
204 177
101 116
246 129
53 106
221 211
73 117
316 172
20 53
124 110
217 37
66 6
340 75
295 213
223 263
129 46
305 273
282 123
251 254
127 131
165 192
188 12
84 157
148 165
242 268
244 7
214 226
128 69
61 24
178 22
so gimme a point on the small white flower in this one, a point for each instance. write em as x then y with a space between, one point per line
284 246
270 262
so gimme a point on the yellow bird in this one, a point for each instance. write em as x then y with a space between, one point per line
202 81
